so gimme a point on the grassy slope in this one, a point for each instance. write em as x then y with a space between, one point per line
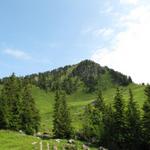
15 141
77 101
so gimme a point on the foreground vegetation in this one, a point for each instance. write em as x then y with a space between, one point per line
10 140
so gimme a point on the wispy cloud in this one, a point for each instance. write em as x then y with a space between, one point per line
108 9
103 32
18 54
130 50
133 2
98 32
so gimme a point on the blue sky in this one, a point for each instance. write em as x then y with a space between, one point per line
39 35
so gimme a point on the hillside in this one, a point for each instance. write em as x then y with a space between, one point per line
87 75
81 83
77 101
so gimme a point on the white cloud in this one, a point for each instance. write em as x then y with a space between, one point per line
98 32
131 47
134 2
103 32
17 54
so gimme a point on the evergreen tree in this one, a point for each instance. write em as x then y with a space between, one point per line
11 97
93 120
146 117
119 125
56 114
99 103
3 113
133 124
93 124
108 119
30 119
62 119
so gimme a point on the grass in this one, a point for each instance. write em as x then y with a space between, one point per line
10 140
14 141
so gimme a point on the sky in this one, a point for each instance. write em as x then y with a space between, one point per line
40 35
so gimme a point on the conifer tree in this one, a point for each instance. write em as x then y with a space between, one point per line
3 113
119 125
62 120
56 114
93 124
146 117
30 119
99 103
11 96
108 119
133 124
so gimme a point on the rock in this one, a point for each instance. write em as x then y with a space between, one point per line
44 136
34 143
102 148
71 141
57 140
85 147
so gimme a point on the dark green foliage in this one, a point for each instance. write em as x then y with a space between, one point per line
119 78
70 147
134 137
86 69
146 117
119 125
89 73
69 85
99 103
62 120
16 102
30 119
93 126
11 94
108 120
91 84
3 114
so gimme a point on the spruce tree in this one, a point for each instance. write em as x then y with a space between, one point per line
56 114
99 103
30 119
108 119
133 124
146 117
119 125
3 113
93 124
11 96
62 120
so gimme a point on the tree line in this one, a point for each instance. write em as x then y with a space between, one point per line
17 107
68 78
118 126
